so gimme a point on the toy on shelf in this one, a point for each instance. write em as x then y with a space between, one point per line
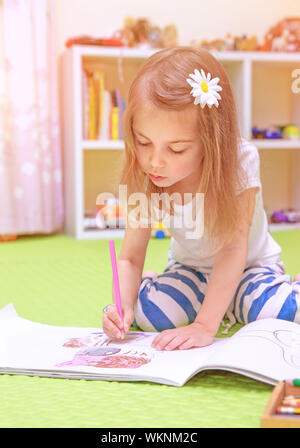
135 33
289 131
159 230
289 215
230 43
284 36
270 132
5 238
109 214
89 40
141 33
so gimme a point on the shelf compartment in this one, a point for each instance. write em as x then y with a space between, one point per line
103 144
280 143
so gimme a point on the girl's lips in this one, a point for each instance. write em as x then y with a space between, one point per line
156 177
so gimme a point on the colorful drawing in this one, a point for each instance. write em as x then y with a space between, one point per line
98 350
107 358
92 340
99 339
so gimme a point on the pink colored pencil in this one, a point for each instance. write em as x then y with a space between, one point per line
115 279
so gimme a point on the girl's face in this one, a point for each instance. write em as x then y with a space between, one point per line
168 145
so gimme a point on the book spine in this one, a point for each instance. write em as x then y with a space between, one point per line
121 119
102 114
119 106
100 103
115 123
105 129
92 135
96 110
85 105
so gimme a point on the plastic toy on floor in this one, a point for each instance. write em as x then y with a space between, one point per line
5 238
159 230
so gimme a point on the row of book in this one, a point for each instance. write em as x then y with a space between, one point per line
102 109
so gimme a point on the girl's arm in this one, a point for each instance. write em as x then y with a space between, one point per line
130 265
229 265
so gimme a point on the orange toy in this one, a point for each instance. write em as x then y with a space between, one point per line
284 36
110 214
7 237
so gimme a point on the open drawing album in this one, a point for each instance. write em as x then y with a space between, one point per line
267 350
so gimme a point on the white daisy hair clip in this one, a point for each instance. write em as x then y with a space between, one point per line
205 90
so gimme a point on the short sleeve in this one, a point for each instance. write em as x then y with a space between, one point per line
250 165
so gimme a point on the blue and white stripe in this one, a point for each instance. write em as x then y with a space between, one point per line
173 299
170 300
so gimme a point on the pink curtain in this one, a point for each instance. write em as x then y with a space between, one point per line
30 156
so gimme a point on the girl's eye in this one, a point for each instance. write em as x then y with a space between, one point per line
176 152
142 144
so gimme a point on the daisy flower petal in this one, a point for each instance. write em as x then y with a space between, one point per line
203 74
196 77
197 74
193 83
203 101
214 81
204 88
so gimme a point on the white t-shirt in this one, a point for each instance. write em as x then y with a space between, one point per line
262 248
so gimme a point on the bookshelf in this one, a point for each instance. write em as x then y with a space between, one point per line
262 86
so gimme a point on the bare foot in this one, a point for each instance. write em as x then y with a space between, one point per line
297 278
151 274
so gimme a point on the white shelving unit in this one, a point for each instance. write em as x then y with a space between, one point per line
261 84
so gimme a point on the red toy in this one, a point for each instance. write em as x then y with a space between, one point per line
88 40
7 237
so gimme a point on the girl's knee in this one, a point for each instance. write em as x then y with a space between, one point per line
151 274
297 278
161 306
274 297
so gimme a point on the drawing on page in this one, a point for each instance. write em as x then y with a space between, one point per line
111 357
287 340
98 350
99 339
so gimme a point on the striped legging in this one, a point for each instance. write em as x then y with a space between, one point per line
173 298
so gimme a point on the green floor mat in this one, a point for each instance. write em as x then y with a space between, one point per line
60 281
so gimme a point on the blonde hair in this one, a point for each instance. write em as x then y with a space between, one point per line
161 80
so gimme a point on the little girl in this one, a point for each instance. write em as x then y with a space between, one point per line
181 136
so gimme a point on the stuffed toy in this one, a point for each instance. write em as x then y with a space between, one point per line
284 36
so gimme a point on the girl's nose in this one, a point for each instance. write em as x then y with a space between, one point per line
157 161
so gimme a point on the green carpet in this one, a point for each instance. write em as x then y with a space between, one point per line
59 281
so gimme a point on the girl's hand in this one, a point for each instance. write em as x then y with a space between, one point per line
112 323
183 338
